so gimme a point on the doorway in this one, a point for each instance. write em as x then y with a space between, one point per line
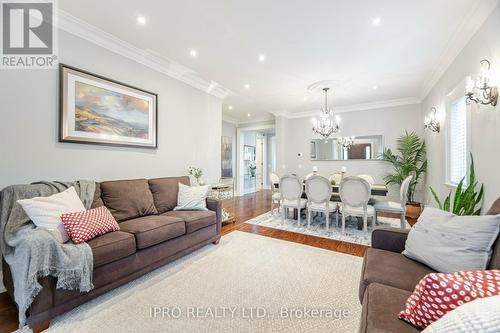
255 159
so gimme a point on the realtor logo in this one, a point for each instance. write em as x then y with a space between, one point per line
28 34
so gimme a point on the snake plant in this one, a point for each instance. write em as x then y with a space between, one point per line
466 200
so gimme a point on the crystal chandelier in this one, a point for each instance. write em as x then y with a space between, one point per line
345 141
327 123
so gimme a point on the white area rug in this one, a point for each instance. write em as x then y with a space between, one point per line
318 227
262 284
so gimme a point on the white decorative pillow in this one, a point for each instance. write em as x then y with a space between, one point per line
449 243
480 315
45 212
192 197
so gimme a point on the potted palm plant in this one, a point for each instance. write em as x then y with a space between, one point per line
409 159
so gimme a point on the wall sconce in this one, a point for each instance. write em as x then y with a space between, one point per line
431 123
481 92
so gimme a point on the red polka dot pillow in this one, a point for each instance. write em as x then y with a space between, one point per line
439 293
83 226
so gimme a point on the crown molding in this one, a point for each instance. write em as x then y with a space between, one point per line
230 119
148 58
464 33
351 108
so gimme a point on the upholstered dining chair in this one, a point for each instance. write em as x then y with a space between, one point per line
276 196
396 207
291 196
319 192
354 195
336 178
368 178
309 175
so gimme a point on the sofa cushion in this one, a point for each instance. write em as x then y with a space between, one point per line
165 191
195 220
111 247
449 243
97 202
392 269
381 306
128 199
154 229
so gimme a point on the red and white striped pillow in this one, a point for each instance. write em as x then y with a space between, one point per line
438 293
83 226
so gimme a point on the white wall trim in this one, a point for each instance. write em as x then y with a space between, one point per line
229 119
149 58
465 31
351 108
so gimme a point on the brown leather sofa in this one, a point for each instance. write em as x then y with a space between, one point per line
388 278
151 235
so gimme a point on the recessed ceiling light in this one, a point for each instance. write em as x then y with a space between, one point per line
305 99
193 53
247 86
262 57
141 20
230 107
376 21
248 114
375 87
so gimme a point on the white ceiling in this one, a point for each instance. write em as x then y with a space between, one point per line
303 40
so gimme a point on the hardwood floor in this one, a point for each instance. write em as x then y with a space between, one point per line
251 205
244 208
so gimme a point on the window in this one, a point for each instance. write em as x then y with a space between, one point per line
458 138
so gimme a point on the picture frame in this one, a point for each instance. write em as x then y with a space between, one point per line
248 153
226 157
97 110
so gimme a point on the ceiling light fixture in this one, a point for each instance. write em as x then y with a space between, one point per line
431 122
375 87
193 53
247 86
481 91
376 21
262 58
141 20
230 107
305 99
248 114
327 124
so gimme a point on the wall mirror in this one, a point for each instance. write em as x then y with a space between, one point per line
368 147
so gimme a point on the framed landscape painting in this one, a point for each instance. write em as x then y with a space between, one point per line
97 110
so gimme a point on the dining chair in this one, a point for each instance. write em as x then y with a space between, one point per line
396 207
336 178
291 196
354 195
276 196
309 175
368 178
319 192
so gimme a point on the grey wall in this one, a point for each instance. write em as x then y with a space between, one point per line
485 121
390 123
189 124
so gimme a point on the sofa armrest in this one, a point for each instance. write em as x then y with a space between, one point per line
216 206
389 239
